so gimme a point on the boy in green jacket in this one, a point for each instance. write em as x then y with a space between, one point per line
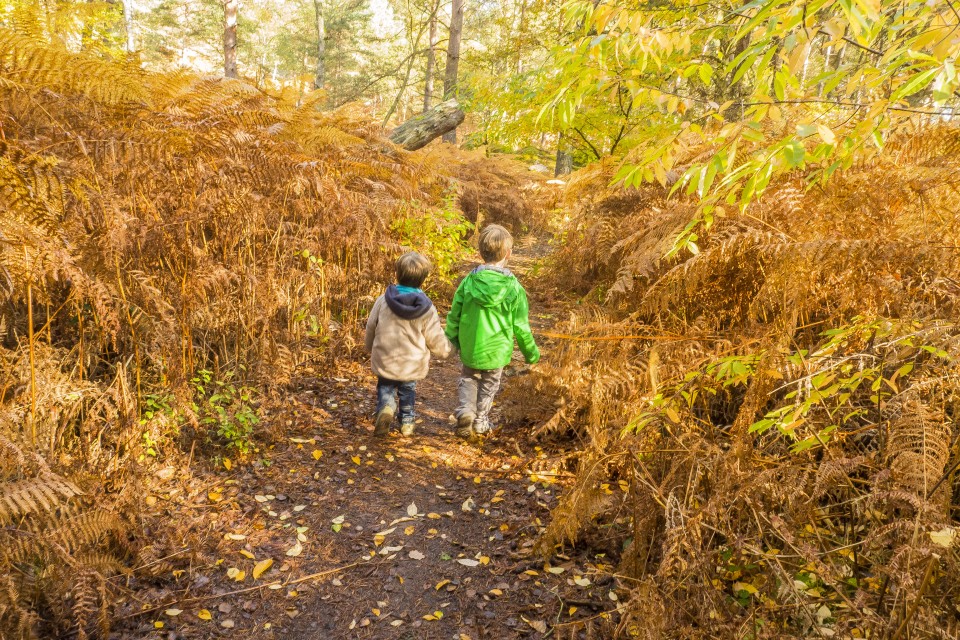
489 310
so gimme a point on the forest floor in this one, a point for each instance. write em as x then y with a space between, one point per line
421 537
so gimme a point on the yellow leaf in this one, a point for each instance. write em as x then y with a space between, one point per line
317 454
376 612
240 576
262 567
744 586
571 611
484 560
215 496
158 625
378 539
247 554
433 516
496 592
672 415
944 537
356 459
409 530
477 480
203 614
442 584
826 134
227 464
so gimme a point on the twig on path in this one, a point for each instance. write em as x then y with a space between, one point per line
312 576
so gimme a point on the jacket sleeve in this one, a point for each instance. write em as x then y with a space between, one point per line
521 329
372 320
453 318
437 341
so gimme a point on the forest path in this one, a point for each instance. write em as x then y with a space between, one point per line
422 537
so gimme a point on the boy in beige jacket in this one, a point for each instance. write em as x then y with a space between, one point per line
402 331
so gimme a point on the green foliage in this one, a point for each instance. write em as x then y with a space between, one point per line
226 407
438 233
766 87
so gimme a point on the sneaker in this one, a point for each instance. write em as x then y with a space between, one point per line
383 421
465 426
482 426
406 429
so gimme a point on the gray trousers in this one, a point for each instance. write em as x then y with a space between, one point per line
476 391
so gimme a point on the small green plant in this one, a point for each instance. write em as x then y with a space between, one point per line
159 420
227 407
437 233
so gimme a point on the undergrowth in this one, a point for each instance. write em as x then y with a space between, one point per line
767 420
171 247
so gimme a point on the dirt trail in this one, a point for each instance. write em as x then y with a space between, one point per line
422 537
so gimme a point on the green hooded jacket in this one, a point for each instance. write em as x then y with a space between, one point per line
489 309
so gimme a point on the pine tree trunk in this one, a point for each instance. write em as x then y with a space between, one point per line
431 63
417 132
128 25
453 60
320 79
230 38
564 164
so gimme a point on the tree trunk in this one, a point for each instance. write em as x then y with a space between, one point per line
431 63
320 79
128 25
230 38
418 131
453 61
564 164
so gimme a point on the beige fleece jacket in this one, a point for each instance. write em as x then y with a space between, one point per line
400 349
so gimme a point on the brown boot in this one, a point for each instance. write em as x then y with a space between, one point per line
383 421
465 427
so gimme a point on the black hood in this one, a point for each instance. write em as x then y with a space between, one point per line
408 306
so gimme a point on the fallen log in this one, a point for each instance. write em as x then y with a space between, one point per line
416 132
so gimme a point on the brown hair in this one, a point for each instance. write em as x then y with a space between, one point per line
495 243
412 269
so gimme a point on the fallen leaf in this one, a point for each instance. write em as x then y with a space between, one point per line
468 505
412 509
262 567
582 581
396 623
235 536
433 516
442 584
247 554
555 570
409 530
468 562
158 625
215 496
571 611
173 613
386 532
416 555
295 550
356 459
496 592
317 454
203 614
227 464
484 560
944 538
538 625
227 624
378 540
260 498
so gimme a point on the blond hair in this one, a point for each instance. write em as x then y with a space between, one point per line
495 243
413 269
